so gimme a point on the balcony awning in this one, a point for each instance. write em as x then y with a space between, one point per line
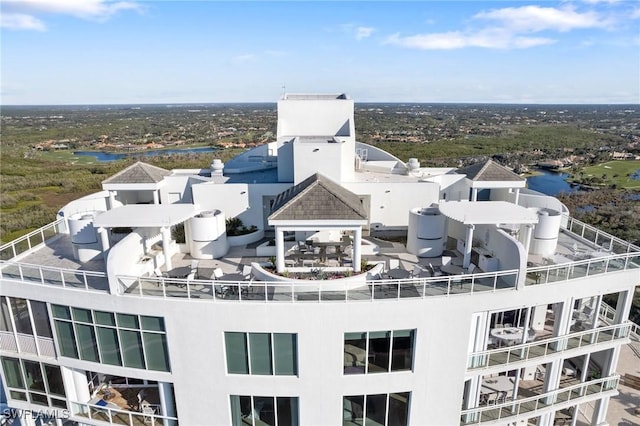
146 215
487 212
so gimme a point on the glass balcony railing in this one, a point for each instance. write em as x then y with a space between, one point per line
543 348
114 416
32 239
27 344
525 408
52 276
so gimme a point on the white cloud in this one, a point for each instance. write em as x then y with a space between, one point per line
20 21
511 28
247 57
364 32
536 18
25 12
488 39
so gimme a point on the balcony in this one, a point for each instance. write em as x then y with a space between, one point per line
540 350
525 408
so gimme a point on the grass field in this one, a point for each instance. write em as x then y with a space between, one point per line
616 172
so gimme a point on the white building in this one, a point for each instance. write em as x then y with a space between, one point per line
138 305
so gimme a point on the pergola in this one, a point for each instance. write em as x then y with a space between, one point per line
317 203
488 213
162 216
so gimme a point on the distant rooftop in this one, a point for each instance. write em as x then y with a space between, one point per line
314 96
139 173
489 171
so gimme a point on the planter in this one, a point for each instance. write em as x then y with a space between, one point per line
243 240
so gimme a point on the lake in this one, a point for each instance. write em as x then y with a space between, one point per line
550 183
111 156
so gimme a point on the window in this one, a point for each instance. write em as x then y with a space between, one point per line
34 382
135 341
382 409
261 353
378 351
264 410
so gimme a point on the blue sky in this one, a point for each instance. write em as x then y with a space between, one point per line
105 52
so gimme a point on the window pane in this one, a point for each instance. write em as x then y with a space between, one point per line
5 316
376 409
355 347
54 380
41 318
59 403
402 350
241 413
18 395
260 353
236 348
83 315
104 318
87 344
128 321
61 312
155 347
66 339
108 344
12 373
264 410
287 411
285 353
399 409
21 315
152 323
131 349
353 410
33 376
38 398
379 342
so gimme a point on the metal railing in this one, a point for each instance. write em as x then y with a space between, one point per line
538 404
27 343
31 240
51 276
116 416
582 268
325 290
547 347
598 238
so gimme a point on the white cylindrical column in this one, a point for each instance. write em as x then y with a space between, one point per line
357 249
166 240
467 247
104 242
156 200
279 250
165 394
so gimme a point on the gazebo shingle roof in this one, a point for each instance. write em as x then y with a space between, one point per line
317 198
489 171
139 173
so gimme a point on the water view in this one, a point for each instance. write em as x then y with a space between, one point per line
112 156
550 183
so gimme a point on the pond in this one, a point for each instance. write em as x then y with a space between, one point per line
550 183
112 156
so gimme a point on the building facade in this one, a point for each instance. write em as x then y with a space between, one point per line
314 280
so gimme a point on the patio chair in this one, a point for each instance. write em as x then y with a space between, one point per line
394 263
194 265
472 267
446 260
492 398
246 271
434 272
217 274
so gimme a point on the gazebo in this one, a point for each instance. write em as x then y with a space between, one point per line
317 204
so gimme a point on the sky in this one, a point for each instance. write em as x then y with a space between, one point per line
56 52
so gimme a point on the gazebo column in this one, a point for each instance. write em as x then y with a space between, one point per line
156 199
474 194
357 249
279 249
166 240
112 199
104 242
517 197
467 246
527 237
